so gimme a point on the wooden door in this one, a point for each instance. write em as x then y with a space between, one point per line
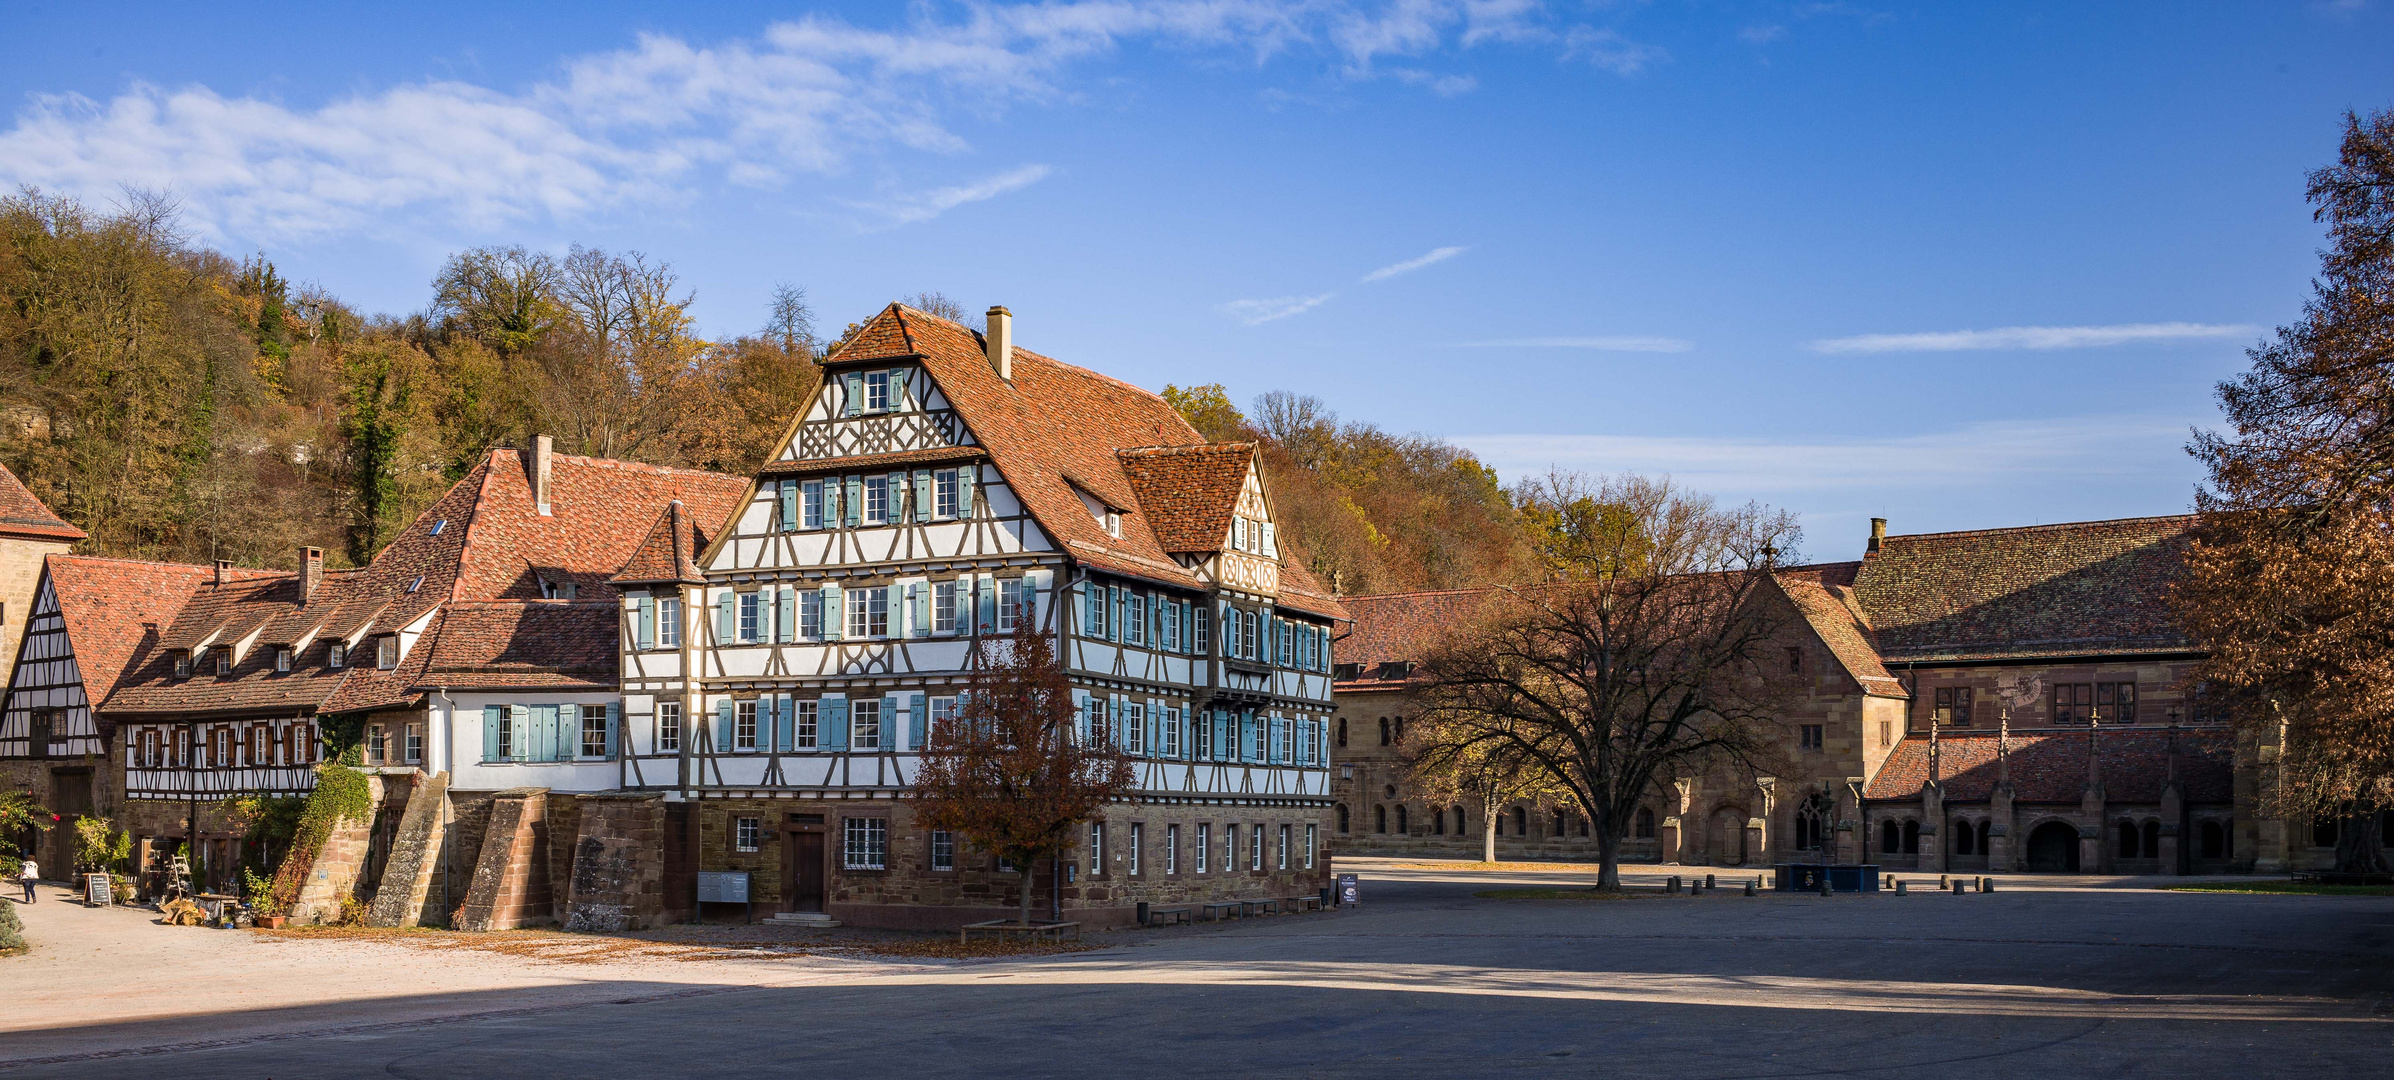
802 871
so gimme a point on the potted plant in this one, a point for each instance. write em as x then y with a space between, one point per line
260 891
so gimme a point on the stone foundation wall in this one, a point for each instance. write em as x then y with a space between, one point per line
334 876
511 886
617 880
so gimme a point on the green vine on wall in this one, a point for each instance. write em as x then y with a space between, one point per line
341 792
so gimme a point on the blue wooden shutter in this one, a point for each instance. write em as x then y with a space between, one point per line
1271 550
852 503
852 393
835 725
964 489
834 620
786 499
897 390
918 721
1092 615
785 621
918 599
924 503
644 623
492 718
725 620
1120 602
986 586
1080 716
785 724
1115 707
614 726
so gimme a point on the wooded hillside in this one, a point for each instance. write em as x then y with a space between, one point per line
178 403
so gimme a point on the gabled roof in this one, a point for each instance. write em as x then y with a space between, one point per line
23 515
2092 588
1824 596
115 612
668 553
523 644
1401 627
1055 427
1189 492
2050 767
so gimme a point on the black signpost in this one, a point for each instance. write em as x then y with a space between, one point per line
1348 891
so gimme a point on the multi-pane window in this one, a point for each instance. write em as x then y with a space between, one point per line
1134 728
1204 844
377 744
1281 728
1009 604
336 656
669 623
1099 611
876 500
1097 849
1171 747
864 721
669 726
224 660
1262 728
1138 837
943 607
1309 841
1134 620
386 652
1283 852
745 834
1255 837
1170 620
183 664
1205 738
810 615
751 615
1172 849
810 504
943 850
1810 735
282 658
876 388
868 612
864 843
943 714
1100 732
1230 848
2110 703
808 712
943 493
1952 704
1251 634
1200 620
744 725
594 731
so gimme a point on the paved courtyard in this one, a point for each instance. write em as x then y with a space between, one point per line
2043 978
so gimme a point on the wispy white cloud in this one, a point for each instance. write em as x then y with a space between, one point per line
666 118
1258 312
1601 344
2028 337
1761 35
1608 50
910 208
1411 265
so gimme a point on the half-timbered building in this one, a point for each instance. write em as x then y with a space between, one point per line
944 486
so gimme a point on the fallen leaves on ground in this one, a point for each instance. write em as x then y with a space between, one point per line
561 947
1505 867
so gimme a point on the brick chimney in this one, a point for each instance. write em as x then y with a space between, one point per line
224 571
540 473
1001 342
311 571
1878 534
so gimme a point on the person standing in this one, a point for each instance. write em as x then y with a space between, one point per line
27 875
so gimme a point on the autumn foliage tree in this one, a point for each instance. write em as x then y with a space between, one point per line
1011 774
1648 661
1452 762
2288 575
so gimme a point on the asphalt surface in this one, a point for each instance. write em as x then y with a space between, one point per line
2034 980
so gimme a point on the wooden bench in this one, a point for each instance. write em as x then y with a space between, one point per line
1159 916
1307 902
1003 927
1266 906
1214 909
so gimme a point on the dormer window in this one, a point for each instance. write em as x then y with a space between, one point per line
876 388
556 590
386 651
1113 524
182 663
336 655
282 658
224 659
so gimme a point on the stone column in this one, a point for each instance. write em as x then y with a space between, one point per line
1853 843
1932 828
2003 849
2173 828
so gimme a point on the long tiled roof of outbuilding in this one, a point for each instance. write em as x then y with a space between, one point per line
2081 589
2050 766
23 514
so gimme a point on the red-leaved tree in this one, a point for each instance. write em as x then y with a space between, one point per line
1009 774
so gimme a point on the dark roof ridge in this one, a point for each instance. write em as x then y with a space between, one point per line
1189 448
2040 528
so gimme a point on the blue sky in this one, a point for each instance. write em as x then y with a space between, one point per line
1958 265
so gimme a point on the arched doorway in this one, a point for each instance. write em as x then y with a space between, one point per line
2053 849
1728 837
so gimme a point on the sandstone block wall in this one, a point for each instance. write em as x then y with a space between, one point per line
511 875
617 880
414 859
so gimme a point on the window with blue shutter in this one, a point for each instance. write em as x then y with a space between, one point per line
965 475
644 623
786 504
784 727
519 733
924 504
492 720
986 587
918 725
852 393
614 727
834 620
726 624
835 725
724 722
852 503
810 505
1119 599
918 609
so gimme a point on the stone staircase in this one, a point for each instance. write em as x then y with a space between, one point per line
812 920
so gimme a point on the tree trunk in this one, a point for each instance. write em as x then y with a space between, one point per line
1608 859
1027 879
2359 848
1488 830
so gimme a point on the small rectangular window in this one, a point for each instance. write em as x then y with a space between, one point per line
1811 735
868 612
1009 604
807 714
669 726
1204 844
876 500
1201 620
751 616
943 715
282 658
386 651
1138 836
876 391
377 744
1255 842
1171 849
183 664
943 607
1282 854
745 834
1134 728
943 850
1171 747
669 623
594 731
744 726
1134 621
415 744
810 615
864 843
810 504
943 493
864 724
224 659
336 655
1309 840
1097 849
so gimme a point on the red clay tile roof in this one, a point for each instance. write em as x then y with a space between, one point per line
2083 589
1052 428
1400 627
668 553
1189 492
523 644
115 611
1823 595
21 514
2050 766
936 455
